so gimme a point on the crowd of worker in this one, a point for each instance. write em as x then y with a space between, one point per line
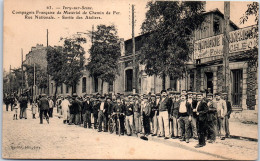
169 114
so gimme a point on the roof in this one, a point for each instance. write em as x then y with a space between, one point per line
216 11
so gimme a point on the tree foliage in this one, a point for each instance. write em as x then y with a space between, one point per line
40 75
104 54
74 60
169 26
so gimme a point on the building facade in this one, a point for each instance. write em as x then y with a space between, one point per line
205 73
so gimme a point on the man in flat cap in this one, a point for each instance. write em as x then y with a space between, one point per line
44 108
221 107
201 112
229 110
102 114
212 119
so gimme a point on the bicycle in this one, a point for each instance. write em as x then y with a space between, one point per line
115 122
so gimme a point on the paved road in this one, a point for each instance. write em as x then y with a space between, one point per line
29 139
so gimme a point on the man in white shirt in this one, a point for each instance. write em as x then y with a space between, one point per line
65 110
101 115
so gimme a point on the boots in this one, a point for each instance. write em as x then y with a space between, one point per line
64 121
14 117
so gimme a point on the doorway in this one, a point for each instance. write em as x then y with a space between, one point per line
209 82
129 80
237 86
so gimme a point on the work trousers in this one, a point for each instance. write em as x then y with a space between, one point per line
50 112
77 119
87 119
184 127
137 122
202 127
45 113
220 126
23 113
164 123
102 118
129 124
146 124
194 126
227 126
212 129
7 106
155 124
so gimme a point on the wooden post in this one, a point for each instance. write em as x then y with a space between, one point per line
133 50
226 70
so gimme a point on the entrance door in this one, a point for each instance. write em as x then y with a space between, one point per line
129 80
237 87
209 82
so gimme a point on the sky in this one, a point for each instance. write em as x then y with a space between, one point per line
21 33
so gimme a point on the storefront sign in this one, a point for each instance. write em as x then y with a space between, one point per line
239 40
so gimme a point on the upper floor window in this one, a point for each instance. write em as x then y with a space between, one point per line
216 26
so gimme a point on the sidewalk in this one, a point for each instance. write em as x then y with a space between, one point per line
244 124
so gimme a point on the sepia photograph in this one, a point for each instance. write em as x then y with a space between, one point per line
129 79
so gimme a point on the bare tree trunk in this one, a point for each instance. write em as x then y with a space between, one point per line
163 81
102 83
55 93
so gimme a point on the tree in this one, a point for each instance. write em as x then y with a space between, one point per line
74 60
252 10
169 27
40 75
104 54
56 62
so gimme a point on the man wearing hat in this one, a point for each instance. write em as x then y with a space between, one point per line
129 116
154 111
65 104
102 114
119 108
87 109
229 110
164 108
221 107
194 116
44 108
145 112
174 114
201 111
212 119
74 111
137 114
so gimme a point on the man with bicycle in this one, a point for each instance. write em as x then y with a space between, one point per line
118 114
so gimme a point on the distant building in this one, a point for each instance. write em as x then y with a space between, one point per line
36 56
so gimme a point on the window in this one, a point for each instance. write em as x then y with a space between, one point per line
216 26
67 89
110 86
129 80
173 83
95 84
74 88
84 85
61 89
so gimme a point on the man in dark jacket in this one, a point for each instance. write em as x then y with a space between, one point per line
212 119
102 114
87 109
119 108
44 108
201 112
129 116
23 106
74 110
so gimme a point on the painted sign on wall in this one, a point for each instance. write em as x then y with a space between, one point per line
239 40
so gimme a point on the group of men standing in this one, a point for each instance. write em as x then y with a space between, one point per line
168 114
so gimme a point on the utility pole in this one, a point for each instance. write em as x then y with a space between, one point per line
34 84
226 70
10 86
22 69
48 77
133 43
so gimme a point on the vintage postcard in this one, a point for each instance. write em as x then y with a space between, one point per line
129 79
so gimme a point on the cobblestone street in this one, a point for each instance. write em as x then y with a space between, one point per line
29 139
